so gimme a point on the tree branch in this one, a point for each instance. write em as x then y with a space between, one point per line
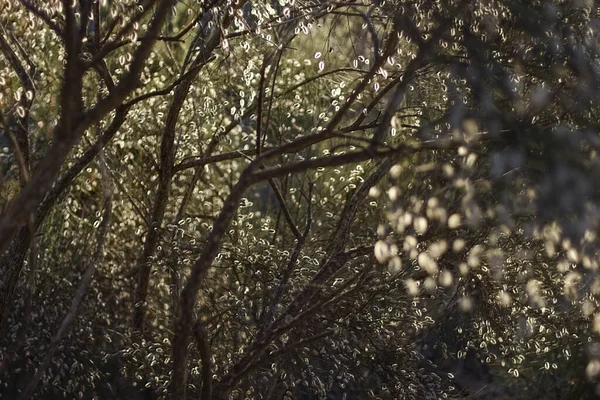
82 288
205 359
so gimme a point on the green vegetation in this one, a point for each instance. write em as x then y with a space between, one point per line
299 199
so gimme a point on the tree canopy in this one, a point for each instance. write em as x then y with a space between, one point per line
299 199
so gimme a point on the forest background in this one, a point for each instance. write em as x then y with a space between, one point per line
299 199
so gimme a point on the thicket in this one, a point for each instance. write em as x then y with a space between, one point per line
299 199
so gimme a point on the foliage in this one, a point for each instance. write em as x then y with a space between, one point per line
299 199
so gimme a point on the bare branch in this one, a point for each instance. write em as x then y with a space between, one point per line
205 359
289 269
44 17
285 209
85 282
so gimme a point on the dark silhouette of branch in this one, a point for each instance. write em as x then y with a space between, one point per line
21 127
300 240
293 147
31 279
85 282
205 361
284 208
44 17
